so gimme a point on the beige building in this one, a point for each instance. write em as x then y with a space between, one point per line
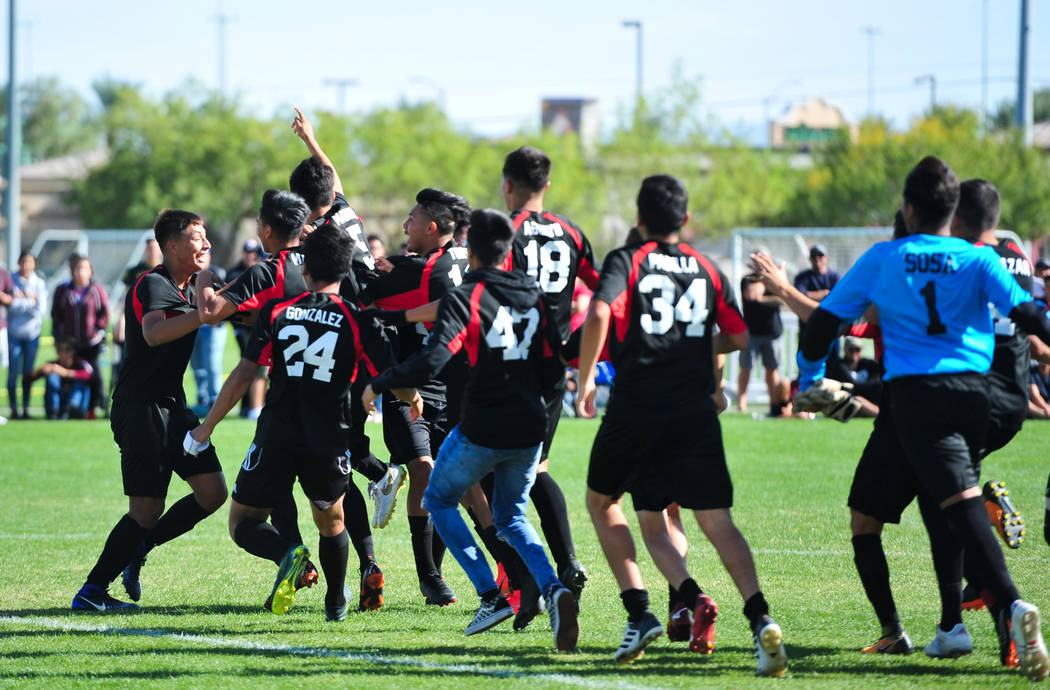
808 124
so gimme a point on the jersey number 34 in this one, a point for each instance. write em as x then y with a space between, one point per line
690 308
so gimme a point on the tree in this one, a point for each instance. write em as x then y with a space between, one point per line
56 121
1005 112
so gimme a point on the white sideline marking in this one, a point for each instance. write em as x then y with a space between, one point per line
249 645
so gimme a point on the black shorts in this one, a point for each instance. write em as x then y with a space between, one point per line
270 468
149 435
941 423
660 461
884 483
553 403
407 440
1007 410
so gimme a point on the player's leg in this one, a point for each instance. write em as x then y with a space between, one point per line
29 350
1046 515
325 481
16 355
951 638
371 575
743 377
456 472
771 366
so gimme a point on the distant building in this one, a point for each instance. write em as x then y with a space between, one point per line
808 124
1041 135
578 115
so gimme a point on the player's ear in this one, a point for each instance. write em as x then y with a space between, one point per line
547 186
688 215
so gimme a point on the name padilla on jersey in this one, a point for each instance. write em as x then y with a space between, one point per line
327 318
673 264
932 262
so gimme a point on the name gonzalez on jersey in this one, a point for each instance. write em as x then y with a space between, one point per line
327 318
934 262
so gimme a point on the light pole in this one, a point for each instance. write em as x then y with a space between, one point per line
221 20
931 79
12 203
341 85
637 25
871 32
423 79
1024 87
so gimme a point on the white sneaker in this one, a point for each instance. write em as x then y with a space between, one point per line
769 648
384 495
564 614
1031 650
950 645
490 613
636 638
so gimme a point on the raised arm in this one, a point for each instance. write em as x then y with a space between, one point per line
305 131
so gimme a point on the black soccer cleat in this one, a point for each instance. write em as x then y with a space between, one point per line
436 590
1004 516
130 576
529 605
574 577
95 599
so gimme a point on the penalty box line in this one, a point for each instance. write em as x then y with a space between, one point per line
319 652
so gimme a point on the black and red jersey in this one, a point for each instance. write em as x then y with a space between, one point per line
320 346
1011 359
666 300
415 281
150 373
497 318
342 216
553 252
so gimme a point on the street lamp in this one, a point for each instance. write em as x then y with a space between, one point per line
637 25
871 32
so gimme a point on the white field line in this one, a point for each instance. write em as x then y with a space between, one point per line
322 652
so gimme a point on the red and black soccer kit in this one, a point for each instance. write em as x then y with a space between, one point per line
149 416
320 345
279 276
415 281
660 438
553 252
341 216
496 318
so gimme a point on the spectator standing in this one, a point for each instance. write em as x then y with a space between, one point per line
7 289
1042 270
68 391
80 310
26 315
762 316
377 246
816 282
206 358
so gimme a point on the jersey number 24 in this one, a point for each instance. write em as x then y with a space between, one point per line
318 354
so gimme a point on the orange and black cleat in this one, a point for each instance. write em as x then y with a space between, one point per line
1004 516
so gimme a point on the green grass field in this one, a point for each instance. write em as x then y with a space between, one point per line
202 622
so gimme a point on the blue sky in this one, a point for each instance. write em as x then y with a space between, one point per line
495 61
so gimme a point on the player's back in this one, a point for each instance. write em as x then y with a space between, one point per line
665 301
1010 360
318 343
553 252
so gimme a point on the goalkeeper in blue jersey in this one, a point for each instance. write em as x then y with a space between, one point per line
933 291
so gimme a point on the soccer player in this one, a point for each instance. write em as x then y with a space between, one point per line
319 347
150 415
435 266
932 291
554 252
663 300
497 318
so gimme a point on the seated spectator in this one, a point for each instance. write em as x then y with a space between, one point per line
68 391
1039 392
865 375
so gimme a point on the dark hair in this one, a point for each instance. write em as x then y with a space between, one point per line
900 228
327 253
979 205
634 235
663 205
373 238
24 254
171 223
447 210
932 188
66 343
527 167
490 236
285 212
313 181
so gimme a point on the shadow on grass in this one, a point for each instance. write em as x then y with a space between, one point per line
212 609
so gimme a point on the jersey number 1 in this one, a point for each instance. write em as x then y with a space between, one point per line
936 326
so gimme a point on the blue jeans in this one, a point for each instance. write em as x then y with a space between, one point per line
206 361
458 466
22 352
64 398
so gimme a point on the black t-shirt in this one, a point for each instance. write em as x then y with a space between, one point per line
342 216
281 275
415 281
665 301
553 252
763 320
1011 359
150 373
320 345
497 319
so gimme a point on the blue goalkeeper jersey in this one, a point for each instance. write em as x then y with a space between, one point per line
933 294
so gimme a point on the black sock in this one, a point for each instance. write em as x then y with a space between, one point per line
356 516
500 551
371 466
969 521
554 518
332 552
874 573
285 518
756 610
947 561
178 519
636 601
688 591
121 546
422 530
672 598
1046 516
437 547
490 594
261 539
